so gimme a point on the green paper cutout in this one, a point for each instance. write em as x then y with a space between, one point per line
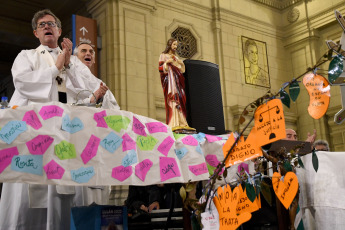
335 68
178 136
315 161
250 192
146 143
294 90
65 150
117 122
300 162
285 98
210 169
287 166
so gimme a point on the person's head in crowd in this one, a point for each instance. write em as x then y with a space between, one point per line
321 145
47 28
291 135
86 54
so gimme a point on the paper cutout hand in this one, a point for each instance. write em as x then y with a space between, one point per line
226 203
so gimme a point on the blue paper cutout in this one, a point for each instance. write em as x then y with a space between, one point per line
11 131
200 137
72 126
199 150
82 175
180 153
111 142
130 158
28 164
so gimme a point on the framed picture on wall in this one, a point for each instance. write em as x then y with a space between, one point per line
255 62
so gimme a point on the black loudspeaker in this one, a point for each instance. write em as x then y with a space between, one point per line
204 97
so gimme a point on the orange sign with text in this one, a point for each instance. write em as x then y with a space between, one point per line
245 205
285 190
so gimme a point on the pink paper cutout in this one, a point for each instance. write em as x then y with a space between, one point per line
244 166
156 127
168 168
122 173
31 119
40 144
138 127
165 146
128 143
198 169
90 149
99 118
212 160
211 138
54 170
142 168
6 156
49 111
190 140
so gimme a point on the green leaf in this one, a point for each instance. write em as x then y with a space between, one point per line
250 192
242 120
257 187
335 68
294 90
300 162
225 173
287 166
178 136
315 161
266 192
285 98
190 187
210 169
183 193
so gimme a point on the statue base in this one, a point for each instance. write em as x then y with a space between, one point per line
184 130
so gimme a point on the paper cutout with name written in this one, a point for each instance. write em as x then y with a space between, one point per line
211 138
82 175
199 150
146 143
90 149
198 169
11 131
156 127
138 127
65 150
40 144
200 137
226 202
319 94
244 204
99 118
168 168
54 170
142 169
72 126
32 119
6 156
49 111
122 173
190 140
166 145
117 122
111 142
243 166
212 160
28 164
128 143
130 158
180 153
285 190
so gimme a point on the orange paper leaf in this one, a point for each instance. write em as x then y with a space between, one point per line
245 205
226 202
319 94
287 190
269 123
243 151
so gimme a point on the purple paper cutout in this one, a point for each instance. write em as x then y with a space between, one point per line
138 127
198 169
142 168
6 156
40 144
90 149
190 140
156 127
168 168
211 138
99 118
243 166
165 146
128 143
54 170
212 160
49 111
122 173
31 119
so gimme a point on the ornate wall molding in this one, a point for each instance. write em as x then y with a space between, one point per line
278 4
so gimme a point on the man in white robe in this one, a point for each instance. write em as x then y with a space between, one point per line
42 75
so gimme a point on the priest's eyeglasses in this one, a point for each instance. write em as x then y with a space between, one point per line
43 24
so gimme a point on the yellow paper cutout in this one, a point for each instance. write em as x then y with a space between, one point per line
287 190
243 151
319 94
245 205
226 202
